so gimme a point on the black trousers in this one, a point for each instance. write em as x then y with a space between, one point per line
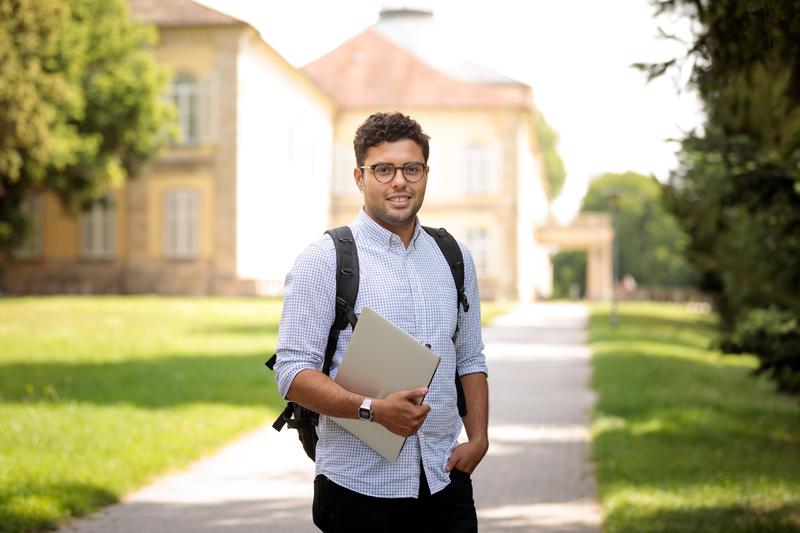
451 510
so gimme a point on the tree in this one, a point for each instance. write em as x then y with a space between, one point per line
737 189
553 165
569 274
82 102
651 242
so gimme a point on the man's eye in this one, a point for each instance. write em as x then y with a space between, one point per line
383 170
415 168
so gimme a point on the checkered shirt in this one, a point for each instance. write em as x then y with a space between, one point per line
413 288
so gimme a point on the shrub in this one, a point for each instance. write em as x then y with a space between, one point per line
774 336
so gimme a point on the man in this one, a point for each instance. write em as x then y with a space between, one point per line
405 278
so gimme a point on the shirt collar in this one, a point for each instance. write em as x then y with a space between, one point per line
381 235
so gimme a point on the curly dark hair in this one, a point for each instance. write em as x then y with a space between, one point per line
388 127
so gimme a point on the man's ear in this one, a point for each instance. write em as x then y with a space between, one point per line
359 178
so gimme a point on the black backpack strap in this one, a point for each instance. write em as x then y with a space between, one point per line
452 254
347 280
455 259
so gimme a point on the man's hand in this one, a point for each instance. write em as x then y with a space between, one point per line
401 412
466 456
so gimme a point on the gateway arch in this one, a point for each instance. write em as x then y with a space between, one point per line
593 233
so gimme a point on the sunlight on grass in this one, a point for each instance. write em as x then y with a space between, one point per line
491 310
100 395
685 438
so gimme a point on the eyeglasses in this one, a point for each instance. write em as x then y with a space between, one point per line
385 172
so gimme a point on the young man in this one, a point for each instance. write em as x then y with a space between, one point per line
406 279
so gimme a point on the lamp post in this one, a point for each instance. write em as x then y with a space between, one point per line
613 197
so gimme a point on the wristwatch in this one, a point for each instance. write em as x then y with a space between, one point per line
365 411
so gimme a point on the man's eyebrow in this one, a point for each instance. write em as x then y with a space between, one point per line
406 163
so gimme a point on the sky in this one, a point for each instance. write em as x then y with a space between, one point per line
575 54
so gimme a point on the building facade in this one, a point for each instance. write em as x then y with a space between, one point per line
216 212
264 164
486 183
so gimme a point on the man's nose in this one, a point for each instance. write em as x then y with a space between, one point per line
398 171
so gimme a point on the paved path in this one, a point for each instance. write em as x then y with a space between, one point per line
536 477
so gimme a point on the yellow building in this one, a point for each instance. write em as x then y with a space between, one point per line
486 181
265 163
216 213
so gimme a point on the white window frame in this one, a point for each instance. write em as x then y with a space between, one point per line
197 103
476 157
182 224
32 207
478 242
98 230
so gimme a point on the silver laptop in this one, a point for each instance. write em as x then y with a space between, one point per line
380 360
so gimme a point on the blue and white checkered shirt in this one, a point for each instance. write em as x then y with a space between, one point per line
413 288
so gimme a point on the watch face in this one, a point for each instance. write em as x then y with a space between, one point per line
363 414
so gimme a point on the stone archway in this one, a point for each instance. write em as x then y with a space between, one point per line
594 233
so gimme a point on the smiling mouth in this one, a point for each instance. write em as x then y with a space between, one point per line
399 199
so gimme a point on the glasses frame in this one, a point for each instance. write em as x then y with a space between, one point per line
395 168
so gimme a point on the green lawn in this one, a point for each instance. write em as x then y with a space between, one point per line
491 310
100 395
684 438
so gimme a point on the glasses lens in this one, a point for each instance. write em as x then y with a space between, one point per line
413 171
383 172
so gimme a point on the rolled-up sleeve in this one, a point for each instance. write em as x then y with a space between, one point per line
308 312
469 341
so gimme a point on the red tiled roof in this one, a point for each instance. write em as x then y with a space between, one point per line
371 71
174 13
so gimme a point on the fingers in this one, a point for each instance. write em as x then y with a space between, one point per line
401 413
414 395
464 458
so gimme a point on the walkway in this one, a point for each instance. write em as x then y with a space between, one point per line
536 477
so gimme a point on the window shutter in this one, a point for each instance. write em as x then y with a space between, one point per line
208 108
182 224
33 209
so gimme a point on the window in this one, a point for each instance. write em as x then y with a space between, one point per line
32 208
182 224
186 97
477 161
478 242
97 226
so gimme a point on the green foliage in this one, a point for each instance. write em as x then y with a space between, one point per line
553 165
650 240
569 272
737 190
775 336
683 438
82 101
115 391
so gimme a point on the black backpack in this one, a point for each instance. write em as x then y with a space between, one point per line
347 282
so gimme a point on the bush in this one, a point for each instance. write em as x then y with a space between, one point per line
774 336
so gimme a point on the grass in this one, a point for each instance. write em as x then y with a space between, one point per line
491 310
685 439
100 395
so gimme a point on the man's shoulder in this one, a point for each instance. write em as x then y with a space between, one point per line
461 244
320 252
